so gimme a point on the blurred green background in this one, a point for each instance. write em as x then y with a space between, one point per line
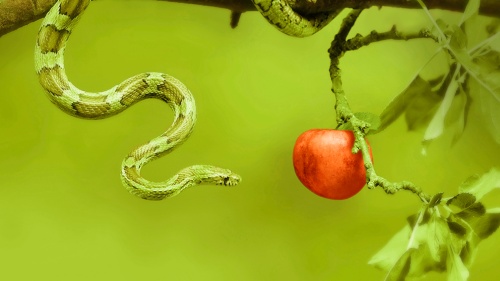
64 214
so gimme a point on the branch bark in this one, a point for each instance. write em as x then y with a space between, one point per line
17 13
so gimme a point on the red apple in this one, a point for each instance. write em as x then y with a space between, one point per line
324 163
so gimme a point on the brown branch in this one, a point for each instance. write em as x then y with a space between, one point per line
17 13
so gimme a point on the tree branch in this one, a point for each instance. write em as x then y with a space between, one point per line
17 13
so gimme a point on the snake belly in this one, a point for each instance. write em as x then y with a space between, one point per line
49 65
285 19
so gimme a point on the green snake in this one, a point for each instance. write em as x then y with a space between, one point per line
285 19
49 65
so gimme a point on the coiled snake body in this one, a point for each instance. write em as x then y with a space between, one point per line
49 64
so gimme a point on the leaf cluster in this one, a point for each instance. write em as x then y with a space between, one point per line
443 103
444 234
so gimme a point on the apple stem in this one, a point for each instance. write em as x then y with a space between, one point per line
344 113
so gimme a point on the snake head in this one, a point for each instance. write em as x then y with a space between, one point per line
221 176
227 178
207 174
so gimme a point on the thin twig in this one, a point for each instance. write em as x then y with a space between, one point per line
344 113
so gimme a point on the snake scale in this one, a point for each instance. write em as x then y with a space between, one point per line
49 65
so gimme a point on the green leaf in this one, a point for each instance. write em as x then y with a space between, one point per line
412 220
468 253
488 100
369 118
457 228
484 64
457 115
481 82
420 229
487 58
386 257
484 82
399 104
456 269
468 184
471 9
493 26
458 39
436 126
457 48
462 200
435 200
442 26
437 237
475 210
482 185
487 224
421 110
422 262
466 202
400 270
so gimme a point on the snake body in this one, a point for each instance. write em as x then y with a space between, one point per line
285 19
49 64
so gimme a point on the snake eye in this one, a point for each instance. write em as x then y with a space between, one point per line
226 180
